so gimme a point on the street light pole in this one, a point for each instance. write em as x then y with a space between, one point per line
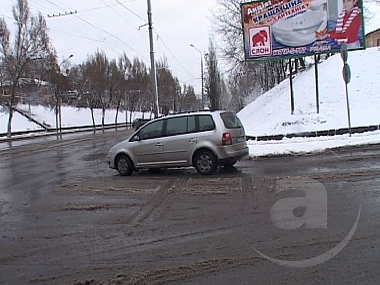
202 91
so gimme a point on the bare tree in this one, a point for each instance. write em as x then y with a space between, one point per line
89 95
2 78
227 24
124 66
97 74
188 100
31 42
116 84
59 83
213 80
139 91
169 88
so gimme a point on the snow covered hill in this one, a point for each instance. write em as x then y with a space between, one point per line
271 113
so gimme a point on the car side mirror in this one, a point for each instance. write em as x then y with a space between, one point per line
136 138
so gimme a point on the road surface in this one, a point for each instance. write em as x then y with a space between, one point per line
66 218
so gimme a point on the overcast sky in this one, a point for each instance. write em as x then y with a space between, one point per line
113 26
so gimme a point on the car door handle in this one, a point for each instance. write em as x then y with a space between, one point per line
158 144
192 140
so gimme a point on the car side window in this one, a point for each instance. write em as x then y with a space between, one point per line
151 131
176 126
206 123
191 125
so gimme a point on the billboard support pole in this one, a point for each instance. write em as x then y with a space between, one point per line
316 82
346 72
291 86
348 110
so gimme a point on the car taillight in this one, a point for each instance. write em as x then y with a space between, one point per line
226 139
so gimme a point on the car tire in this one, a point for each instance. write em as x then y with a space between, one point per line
205 162
124 165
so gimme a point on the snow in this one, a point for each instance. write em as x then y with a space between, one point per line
270 114
310 145
371 18
71 117
19 123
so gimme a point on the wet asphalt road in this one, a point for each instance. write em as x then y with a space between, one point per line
66 218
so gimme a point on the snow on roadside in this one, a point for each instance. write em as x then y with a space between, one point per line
71 117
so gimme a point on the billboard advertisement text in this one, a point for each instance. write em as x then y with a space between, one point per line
294 28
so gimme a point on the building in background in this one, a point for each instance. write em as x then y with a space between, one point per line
372 39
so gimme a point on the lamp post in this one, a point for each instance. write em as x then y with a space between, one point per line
202 92
59 95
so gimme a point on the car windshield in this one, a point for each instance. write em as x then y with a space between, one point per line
231 121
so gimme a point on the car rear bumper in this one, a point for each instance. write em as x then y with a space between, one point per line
231 153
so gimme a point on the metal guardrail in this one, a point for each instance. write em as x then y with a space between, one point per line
65 130
29 117
332 132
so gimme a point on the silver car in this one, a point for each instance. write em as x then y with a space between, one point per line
203 139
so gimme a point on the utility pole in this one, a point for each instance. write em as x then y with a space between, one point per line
58 96
152 62
64 14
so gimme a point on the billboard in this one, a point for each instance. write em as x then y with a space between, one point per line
294 28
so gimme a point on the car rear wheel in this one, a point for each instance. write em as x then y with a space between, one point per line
205 162
124 165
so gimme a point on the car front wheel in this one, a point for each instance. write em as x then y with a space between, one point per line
124 165
205 162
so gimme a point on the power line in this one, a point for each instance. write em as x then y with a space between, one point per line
175 58
106 6
125 7
121 16
73 26
111 35
98 28
80 36
113 40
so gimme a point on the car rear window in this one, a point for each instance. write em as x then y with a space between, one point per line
231 121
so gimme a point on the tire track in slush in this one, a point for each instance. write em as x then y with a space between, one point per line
249 197
154 205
